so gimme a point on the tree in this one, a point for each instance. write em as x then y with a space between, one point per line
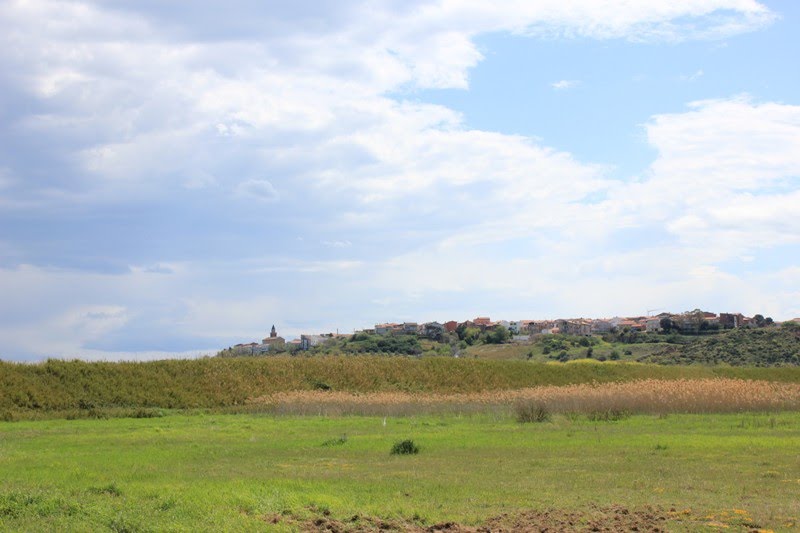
760 320
469 335
498 335
693 321
666 324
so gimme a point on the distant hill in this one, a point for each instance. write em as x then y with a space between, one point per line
770 346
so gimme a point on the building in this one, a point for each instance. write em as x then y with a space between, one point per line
483 322
601 325
574 327
731 320
273 339
389 327
653 324
308 341
632 325
409 328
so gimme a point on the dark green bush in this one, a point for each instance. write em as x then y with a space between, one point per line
529 411
404 447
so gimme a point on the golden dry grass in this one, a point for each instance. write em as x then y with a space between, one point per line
650 396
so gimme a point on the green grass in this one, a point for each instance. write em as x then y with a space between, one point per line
75 389
240 472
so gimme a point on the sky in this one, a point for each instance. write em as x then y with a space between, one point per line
178 177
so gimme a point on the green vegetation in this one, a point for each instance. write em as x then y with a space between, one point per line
531 411
693 341
362 343
470 336
76 389
564 348
255 473
757 347
405 447
767 346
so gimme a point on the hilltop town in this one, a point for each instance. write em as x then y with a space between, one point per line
694 322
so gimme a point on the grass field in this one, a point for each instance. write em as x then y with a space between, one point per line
248 472
78 389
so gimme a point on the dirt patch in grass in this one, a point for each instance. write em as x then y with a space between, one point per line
613 518
594 518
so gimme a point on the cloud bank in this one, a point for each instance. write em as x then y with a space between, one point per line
178 180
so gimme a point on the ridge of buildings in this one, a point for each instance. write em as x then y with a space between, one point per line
522 330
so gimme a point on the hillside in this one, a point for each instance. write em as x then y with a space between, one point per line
81 389
548 348
771 346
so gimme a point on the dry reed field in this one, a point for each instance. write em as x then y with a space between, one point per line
649 396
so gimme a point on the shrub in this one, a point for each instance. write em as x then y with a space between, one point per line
122 524
531 412
335 442
608 415
404 447
111 489
143 412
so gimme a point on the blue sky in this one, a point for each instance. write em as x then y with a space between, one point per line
173 181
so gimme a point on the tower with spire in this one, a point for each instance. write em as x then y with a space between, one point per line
273 339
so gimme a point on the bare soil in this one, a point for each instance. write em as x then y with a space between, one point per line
594 518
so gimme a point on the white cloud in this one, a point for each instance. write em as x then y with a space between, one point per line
709 198
562 85
726 174
147 106
150 97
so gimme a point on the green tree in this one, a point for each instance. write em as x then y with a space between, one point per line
498 335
